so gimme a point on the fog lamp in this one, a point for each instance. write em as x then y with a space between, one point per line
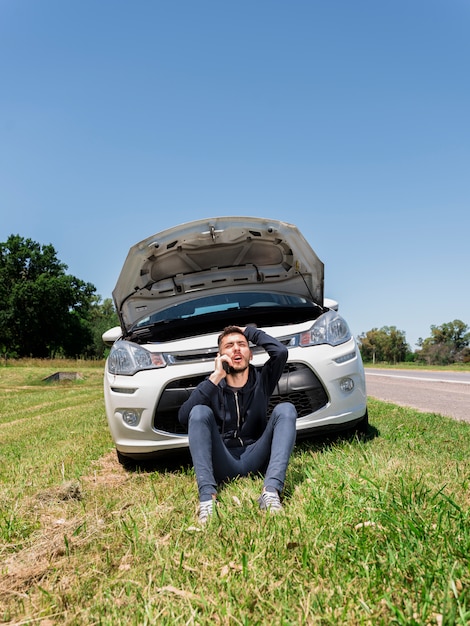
131 417
346 384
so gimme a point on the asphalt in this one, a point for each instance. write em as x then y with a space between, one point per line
432 392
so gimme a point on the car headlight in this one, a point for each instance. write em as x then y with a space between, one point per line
126 358
329 328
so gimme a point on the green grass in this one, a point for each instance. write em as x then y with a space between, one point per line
453 367
375 531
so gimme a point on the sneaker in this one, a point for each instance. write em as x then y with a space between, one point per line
270 501
206 508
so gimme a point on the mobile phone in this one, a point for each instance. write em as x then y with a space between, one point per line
226 367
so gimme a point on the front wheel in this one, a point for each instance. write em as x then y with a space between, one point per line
362 426
126 461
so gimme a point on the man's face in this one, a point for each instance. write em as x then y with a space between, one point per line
236 347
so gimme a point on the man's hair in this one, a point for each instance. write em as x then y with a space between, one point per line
229 330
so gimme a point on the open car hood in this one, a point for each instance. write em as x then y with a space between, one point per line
215 255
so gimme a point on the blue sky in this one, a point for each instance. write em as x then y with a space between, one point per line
350 119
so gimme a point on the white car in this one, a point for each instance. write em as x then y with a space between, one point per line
177 291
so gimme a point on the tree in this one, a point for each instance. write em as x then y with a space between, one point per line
103 317
43 311
387 344
447 344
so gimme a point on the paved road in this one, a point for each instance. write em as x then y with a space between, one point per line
446 393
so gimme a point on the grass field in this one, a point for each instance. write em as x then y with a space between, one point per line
374 531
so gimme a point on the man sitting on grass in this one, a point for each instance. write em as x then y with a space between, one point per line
229 431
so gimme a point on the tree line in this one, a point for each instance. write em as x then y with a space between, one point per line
447 344
46 313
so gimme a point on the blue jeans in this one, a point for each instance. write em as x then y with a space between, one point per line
214 462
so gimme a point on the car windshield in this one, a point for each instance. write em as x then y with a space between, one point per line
224 302
211 313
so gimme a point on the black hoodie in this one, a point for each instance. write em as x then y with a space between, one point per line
242 415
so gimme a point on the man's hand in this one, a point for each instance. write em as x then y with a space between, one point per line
222 364
248 325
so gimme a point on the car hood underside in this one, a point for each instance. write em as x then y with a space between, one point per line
216 255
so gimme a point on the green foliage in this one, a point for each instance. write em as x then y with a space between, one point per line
386 344
448 343
103 317
45 312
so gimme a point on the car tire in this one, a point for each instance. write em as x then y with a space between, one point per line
362 426
125 461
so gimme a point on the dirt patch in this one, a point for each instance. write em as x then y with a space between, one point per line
70 490
108 472
57 536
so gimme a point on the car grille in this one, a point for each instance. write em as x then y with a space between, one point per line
196 356
298 384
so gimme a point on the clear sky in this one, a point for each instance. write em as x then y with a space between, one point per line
348 118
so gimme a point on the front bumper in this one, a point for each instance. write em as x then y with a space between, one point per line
312 380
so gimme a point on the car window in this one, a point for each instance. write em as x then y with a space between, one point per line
224 302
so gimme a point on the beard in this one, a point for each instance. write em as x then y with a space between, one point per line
239 367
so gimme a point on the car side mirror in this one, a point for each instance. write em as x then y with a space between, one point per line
112 335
